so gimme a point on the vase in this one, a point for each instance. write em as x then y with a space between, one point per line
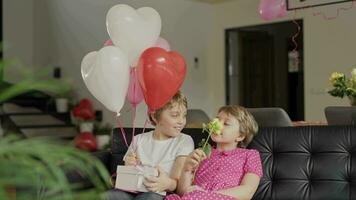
86 127
62 105
102 140
352 100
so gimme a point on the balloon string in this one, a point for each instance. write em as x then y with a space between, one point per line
297 33
122 132
337 12
144 126
134 85
133 128
129 110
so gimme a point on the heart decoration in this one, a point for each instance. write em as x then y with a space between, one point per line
160 74
271 9
84 110
106 75
133 30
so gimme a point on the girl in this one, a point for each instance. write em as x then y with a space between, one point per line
165 148
231 171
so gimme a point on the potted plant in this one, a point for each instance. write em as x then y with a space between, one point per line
343 86
62 101
85 115
103 135
37 168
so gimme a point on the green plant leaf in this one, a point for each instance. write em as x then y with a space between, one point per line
207 150
41 165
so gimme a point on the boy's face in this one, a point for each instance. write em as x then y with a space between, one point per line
172 120
231 130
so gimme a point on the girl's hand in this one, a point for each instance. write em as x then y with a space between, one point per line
132 159
193 160
159 183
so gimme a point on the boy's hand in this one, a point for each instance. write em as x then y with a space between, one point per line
193 160
132 159
159 183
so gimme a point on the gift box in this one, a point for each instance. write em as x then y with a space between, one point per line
130 178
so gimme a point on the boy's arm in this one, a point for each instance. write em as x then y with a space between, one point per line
245 190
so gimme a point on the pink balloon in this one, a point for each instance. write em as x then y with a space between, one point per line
162 43
108 43
271 9
134 93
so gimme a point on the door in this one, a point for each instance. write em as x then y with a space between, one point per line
256 82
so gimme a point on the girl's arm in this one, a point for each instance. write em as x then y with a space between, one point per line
245 190
185 181
187 174
175 173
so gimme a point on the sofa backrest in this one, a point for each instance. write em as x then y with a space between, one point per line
314 162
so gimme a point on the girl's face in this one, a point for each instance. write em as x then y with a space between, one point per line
172 120
231 131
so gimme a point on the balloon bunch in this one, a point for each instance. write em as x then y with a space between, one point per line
271 9
135 63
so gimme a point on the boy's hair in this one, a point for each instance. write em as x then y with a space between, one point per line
248 125
178 98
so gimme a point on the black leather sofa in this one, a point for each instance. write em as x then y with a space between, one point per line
314 162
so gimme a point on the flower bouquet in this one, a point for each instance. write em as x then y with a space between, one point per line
343 86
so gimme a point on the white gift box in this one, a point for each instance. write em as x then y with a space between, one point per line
130 178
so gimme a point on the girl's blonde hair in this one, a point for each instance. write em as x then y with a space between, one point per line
178 98
247 123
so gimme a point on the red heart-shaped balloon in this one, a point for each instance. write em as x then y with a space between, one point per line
160 74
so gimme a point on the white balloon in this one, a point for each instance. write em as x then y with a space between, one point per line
133 30
106 74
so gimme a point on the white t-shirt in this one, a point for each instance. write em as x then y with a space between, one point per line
161 153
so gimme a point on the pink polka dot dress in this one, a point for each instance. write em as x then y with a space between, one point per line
222 170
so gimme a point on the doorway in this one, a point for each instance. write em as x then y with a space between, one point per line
262 68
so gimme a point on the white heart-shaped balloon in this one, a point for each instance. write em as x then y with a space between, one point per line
106 74
133 30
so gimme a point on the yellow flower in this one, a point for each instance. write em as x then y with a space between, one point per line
215 126
335 76
343 86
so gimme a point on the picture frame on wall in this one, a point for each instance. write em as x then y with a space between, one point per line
300 4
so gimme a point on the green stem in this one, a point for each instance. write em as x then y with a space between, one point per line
207 140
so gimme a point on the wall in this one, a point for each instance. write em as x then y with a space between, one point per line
61 32
18 33
328 45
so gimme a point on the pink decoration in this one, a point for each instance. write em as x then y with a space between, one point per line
108 43
134 93
271 9
162 43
